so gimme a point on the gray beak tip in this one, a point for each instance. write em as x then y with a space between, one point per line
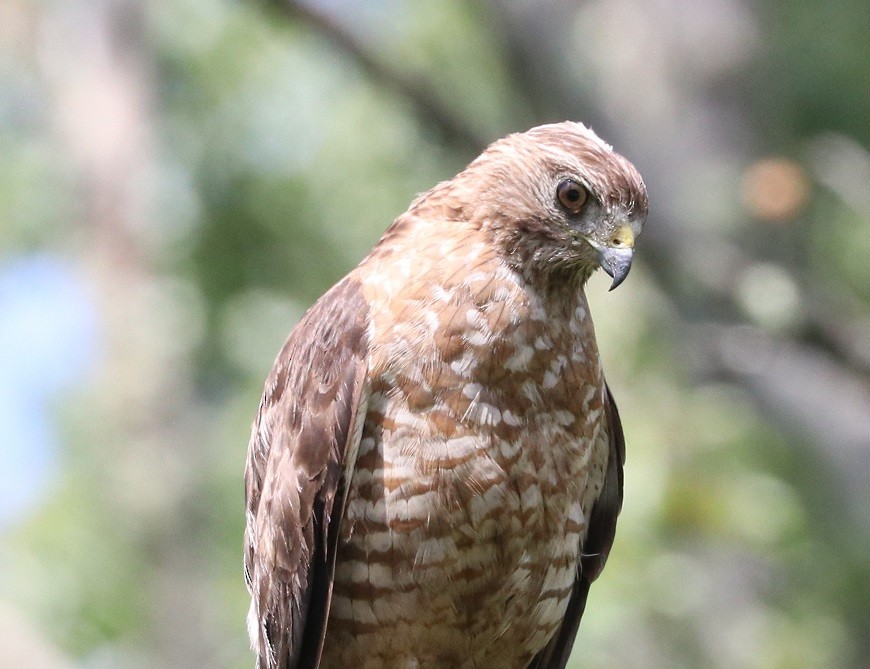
616 262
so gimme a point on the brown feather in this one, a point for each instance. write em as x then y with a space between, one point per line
293 475
595 548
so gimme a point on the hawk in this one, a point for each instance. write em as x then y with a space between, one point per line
435 470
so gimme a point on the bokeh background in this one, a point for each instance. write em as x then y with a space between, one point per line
180 179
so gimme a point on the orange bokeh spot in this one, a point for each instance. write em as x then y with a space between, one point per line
775 189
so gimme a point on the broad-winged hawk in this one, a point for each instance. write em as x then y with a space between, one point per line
435 469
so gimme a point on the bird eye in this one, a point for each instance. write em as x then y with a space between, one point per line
571 195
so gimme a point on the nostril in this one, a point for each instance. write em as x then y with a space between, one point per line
621 237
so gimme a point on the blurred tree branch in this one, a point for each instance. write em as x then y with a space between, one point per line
107 122
428 107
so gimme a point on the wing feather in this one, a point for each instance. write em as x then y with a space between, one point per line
595 547
309 416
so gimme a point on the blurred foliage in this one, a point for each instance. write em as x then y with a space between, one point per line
207 168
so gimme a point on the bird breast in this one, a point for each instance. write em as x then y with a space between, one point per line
479 461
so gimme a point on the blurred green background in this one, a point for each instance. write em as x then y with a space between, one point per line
180 179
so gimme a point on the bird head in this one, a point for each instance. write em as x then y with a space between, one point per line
560 200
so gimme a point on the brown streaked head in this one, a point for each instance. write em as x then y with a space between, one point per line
560 200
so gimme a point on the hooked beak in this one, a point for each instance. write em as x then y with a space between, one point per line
615 257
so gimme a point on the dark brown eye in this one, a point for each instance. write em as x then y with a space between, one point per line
571 195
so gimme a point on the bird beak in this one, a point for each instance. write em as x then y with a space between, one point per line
615 256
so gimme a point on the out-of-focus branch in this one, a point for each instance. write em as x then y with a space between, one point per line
793 382
428 106
100 70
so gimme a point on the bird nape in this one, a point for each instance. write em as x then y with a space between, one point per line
435 469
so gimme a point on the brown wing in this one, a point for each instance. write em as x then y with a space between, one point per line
596 546
306 428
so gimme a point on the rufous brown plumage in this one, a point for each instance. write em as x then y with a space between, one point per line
435 470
